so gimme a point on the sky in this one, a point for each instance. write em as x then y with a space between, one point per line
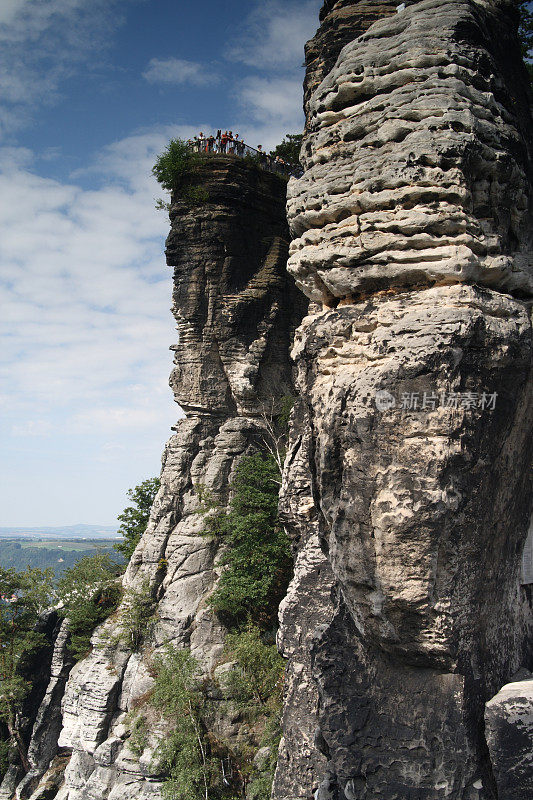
90 93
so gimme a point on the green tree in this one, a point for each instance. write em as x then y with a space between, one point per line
257 560
258 680
134 518
256 684
289 148
175 163
177 170
137 615
184 753
90 592
23 597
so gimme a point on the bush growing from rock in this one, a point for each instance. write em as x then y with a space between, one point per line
90 593
257 560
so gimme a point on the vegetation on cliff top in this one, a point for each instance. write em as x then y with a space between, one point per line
289 148
177 168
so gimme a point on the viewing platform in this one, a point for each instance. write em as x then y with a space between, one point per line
236 148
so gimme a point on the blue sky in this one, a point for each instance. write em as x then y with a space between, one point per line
90 92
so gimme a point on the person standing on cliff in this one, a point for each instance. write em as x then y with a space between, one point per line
224 142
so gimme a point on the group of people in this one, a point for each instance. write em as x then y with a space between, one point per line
221 143
228 143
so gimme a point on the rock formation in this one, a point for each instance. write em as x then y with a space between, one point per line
236 310
407 486
509 732
407 482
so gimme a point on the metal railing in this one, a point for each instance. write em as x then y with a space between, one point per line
212 145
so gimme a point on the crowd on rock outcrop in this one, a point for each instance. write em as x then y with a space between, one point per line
228 143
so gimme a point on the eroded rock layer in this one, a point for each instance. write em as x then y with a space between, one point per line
418 158
411 446
236 310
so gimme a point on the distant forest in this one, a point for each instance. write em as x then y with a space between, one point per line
59 555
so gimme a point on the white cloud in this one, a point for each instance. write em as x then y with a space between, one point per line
85 294
42 44
177 71
85 328
271 44
274 33
10 9
273 100
32 427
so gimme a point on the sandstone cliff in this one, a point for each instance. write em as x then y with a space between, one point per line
407 483
407 491
236 311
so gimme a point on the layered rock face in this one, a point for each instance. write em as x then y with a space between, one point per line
411 447
341 21
236 310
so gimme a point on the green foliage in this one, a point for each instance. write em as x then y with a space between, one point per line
162 205
134 518
90 593
287 404
23 597
195 196
289 148
136 616
176 169
175 163
44 555
177 686
184 753
139 736
199 765
257 560
257 682
253 159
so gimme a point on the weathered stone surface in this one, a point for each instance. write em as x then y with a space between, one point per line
417 160
509 731
232 297
417 185
236 310
45 733
429 614
42 669
304 612
341 21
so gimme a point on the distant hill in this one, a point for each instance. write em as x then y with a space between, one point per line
66 532
59 554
